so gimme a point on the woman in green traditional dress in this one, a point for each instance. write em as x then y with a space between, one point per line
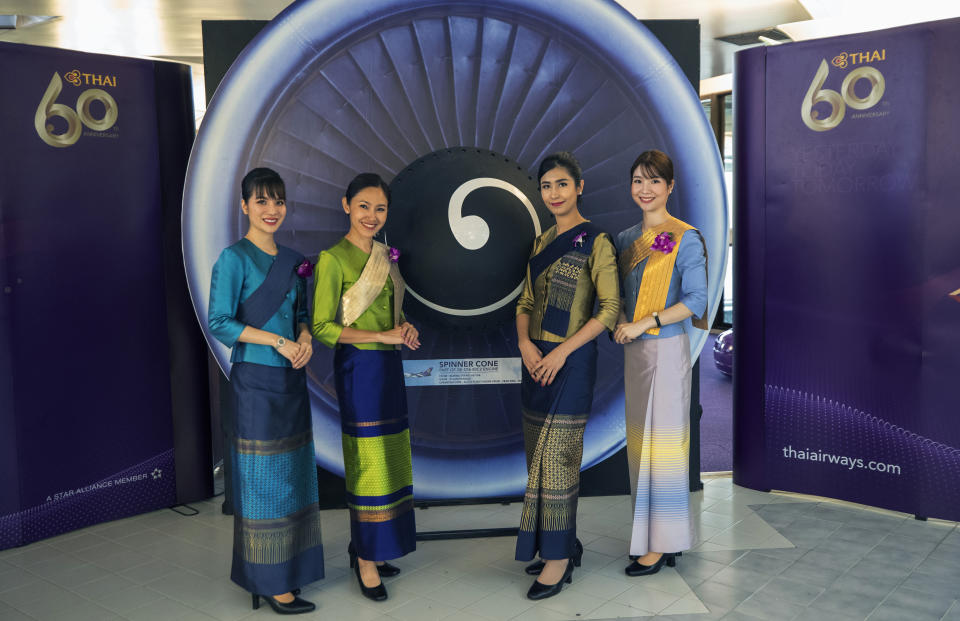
572 265
356 310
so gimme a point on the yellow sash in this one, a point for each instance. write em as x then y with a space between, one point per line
658 271
361 295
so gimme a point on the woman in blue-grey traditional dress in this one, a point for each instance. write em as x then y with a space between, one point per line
572 265
258 306
357 310
663 271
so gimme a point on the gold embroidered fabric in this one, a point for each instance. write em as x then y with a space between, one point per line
554 447
658 271
270 542
598 281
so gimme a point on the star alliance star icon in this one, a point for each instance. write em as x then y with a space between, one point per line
157 474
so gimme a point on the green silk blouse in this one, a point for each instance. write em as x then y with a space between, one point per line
337 269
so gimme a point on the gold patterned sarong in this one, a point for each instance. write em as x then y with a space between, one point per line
554 419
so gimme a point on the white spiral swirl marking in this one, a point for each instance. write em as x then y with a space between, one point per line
472 232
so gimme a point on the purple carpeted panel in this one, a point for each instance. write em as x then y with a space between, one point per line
716 426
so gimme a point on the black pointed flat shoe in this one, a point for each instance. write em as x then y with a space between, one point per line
635 569
539 590
296 607
535 568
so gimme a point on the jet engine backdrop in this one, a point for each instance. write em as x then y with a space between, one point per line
455 103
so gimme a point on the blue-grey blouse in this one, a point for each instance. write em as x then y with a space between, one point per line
238 272
688 283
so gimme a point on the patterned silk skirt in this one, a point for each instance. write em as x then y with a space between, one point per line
376 451
554 418
657 375
276 528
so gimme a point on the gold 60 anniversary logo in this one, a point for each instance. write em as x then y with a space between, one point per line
847 96
81 114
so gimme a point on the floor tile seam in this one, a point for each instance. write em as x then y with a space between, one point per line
545 604
183 540
53 544
197 524
431 595
41 579
853 505
921 593
46 579
880 603
110 577
71 592
172 597
176 564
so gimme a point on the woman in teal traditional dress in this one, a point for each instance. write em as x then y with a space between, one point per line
258 306
356 309
663 267
572 265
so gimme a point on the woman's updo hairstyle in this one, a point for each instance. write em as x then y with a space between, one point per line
565 160
366 180
263 182
653 163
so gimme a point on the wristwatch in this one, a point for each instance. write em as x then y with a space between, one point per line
282 341
656 317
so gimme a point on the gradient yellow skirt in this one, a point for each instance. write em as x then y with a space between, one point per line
657 375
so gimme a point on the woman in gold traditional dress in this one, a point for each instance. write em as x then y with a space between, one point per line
572 265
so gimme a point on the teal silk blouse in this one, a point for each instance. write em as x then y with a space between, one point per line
238 272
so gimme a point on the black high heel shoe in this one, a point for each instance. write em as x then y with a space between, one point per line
539 590
296 607
534 569
386 570
636 569
377 593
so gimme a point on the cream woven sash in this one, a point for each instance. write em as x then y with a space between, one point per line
358 298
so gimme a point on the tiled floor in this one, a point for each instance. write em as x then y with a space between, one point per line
760 556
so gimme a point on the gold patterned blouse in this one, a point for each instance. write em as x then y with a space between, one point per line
598 280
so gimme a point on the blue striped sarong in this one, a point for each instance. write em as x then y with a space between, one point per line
377 463
554 418
276 532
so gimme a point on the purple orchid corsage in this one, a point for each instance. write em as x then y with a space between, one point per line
578 240
393 254
664 243
305 269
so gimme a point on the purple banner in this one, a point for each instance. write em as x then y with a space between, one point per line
86 396
853 333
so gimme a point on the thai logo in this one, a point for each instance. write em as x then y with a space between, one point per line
843 59
847 95
79 78
82 114
73 77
